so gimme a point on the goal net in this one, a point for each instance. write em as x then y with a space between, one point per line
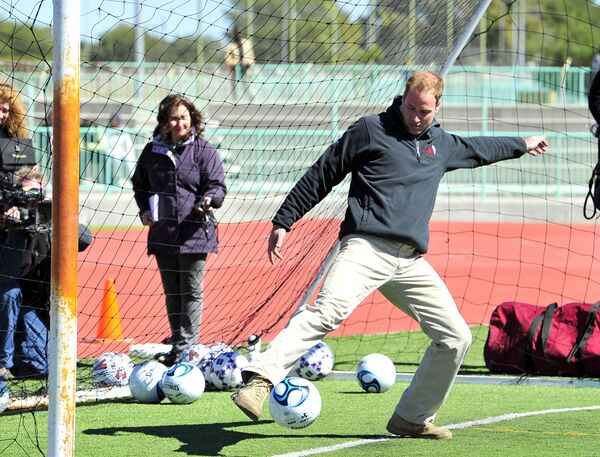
513 231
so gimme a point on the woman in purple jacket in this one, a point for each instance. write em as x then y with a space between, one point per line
178 181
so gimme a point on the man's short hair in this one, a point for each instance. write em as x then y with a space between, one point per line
33 173
425 81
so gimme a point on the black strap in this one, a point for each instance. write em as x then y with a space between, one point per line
576 353
591 190
545 321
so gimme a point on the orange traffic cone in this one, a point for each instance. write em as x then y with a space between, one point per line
109 326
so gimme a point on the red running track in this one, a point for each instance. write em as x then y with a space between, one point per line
483 264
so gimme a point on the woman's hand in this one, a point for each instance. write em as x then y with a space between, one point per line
146 218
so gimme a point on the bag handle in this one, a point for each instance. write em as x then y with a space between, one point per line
576 353
545 321
593 184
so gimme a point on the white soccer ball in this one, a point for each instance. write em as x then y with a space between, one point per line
112 369
144 382
226 370
295 403
316 363
183 383
193 354
4 396
376 373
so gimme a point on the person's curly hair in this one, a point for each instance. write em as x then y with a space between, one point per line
168 104
15 123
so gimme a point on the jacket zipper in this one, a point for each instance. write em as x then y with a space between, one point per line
417 152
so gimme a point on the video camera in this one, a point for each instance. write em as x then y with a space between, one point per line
34 208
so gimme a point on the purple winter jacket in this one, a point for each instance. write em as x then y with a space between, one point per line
180 178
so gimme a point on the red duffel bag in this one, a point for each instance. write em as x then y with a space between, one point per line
529 339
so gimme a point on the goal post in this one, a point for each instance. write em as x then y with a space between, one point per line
65 202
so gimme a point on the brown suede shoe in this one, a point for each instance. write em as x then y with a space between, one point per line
251 397
400 427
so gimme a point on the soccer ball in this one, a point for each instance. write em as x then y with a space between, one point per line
144 382
193 354
183 383
4 396
226 370
376 373
112 369
295 403
219 347
316 363
206 361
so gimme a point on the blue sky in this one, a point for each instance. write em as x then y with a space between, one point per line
171 17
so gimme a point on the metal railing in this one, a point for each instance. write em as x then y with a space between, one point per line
272 160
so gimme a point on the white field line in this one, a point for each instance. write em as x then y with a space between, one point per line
498 380
474 423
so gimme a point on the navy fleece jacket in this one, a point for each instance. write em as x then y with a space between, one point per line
395 175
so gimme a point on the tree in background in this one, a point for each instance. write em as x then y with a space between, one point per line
302 31
21 43
568 22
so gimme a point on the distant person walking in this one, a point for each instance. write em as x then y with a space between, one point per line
239 57
119 146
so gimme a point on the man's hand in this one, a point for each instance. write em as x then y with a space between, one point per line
536 145
275 242
13 212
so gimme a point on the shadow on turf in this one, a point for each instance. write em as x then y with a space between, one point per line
207 439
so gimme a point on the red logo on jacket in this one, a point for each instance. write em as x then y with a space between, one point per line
430 149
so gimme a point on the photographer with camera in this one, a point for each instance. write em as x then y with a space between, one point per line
25 247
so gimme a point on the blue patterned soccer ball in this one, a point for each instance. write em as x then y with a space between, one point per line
193 354
4 396
295 403
206 361
376 373
112 369
183 383
144 382
226 370
316 363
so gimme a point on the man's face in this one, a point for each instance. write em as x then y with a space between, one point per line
418 110
31 184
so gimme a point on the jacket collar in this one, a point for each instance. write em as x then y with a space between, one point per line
160 146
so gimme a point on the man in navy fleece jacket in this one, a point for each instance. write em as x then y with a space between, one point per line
397 160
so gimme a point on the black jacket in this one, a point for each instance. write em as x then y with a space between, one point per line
394 175
25 257
594 97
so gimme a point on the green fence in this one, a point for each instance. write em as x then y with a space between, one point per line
144 86
271 161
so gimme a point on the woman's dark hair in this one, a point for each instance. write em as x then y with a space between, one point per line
168 104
